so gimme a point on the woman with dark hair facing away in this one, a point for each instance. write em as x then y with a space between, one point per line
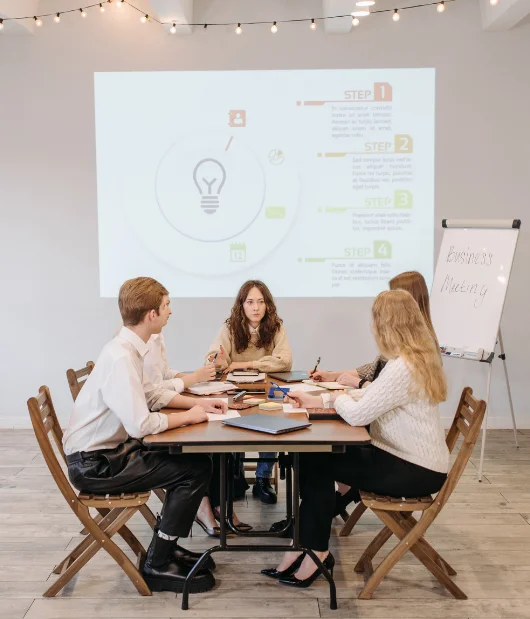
253 336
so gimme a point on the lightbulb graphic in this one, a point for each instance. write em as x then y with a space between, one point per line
209 176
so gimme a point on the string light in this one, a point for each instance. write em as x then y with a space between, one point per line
355 21
440 7
101 8
396 15
120 3
173 29
274 28
1 24
144 18
239 30
83 12
38 22
57 18
313 25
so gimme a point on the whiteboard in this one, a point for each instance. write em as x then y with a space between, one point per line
470 286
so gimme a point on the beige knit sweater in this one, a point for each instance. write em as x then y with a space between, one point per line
274 358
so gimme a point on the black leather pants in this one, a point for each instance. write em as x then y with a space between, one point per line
132 467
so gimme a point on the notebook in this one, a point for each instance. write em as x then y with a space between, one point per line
208 388
326 385
314 414
290 377
267 424
246 378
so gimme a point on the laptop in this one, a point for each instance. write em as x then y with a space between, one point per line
266 423
290 377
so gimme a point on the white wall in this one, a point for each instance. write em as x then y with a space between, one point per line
50 313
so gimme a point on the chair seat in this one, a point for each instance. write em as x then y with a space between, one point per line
110 501
390 503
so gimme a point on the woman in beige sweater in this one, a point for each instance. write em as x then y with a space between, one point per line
254 337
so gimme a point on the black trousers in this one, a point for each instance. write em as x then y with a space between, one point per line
132 467
364 468
239 484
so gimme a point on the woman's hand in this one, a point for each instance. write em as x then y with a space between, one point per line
215 406
238 365
217 358
349 380
323 375
196 414
300 399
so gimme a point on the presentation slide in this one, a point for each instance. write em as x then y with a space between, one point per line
320 182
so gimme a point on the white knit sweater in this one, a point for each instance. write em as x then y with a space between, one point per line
402 424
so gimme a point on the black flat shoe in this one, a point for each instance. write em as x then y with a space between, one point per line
210 531
292 581
281 524
272 572
189 558
263 491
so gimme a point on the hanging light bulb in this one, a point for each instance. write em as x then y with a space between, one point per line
355 21
173 29
83 12
494 2
440 7
313 25
120 3
274 28
365 3
1 24
239 30
396 15
144 18
362 13
101 8
57 18
38 21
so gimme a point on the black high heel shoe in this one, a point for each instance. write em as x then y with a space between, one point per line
210 531
272 572
242 526
292 581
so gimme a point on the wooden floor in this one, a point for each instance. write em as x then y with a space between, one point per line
484 533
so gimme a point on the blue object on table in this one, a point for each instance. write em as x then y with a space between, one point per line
273 392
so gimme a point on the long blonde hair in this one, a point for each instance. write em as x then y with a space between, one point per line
414 283
400 330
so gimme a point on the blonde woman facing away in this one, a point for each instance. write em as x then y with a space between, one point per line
408 455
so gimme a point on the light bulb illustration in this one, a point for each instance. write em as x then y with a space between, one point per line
209 176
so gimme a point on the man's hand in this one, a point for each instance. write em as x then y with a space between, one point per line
349 380
215 406
300 399
197 414
204 374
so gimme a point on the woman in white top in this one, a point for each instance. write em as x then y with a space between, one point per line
408 455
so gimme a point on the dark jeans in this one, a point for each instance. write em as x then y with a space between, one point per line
364 468
131 467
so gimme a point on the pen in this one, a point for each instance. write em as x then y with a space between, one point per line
316 365
282 389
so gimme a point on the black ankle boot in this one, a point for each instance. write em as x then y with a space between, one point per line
162 572
187 557
264 491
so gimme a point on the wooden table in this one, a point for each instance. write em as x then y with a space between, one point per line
214 437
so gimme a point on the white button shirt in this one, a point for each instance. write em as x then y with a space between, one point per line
115 400
157 368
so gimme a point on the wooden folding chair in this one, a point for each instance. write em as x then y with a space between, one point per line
397 514
115 510
76 380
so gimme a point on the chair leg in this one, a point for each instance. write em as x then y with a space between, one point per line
377 543
103 541
390 560
150 518
429 550
353 519
97 519
160 493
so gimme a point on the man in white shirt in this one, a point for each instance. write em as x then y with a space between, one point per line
158 372
111 414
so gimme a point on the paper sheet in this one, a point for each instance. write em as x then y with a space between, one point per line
303 387
228 415
288 408
208 388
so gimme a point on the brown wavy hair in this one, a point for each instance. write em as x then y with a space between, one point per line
401 331
238 323
414 283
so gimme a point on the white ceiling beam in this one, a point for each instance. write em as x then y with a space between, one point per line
178 12
338 7
505 15
8 8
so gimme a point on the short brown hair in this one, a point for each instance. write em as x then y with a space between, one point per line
139 296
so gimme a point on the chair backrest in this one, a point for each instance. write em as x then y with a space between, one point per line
45 422
77 378
467 422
